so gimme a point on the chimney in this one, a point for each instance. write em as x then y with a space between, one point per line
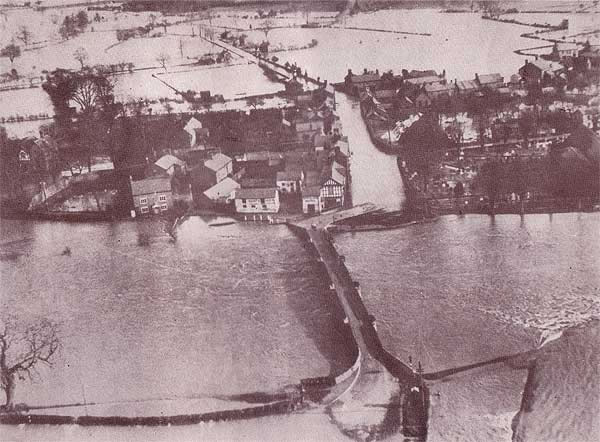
365 71
476 76
377 72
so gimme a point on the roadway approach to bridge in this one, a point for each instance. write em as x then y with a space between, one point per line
387 395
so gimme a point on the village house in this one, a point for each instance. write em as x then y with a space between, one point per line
422 81
212 171
539 72
169 164
437 91
219 195
591 56
152 195
307 125
356 83
333 183
564 50
259 200
311 199
289 180
466 87
198 135
490 81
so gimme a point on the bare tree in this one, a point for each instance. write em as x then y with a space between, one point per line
163 59
81 56
24 35
23 347
11 51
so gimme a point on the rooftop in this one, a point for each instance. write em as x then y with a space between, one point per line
222 189
467 85
217 162
151 185
258 193
311 191
289 175
425 80
167 161
490 78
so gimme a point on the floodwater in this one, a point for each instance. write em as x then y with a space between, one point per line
375 175
467 289
223 310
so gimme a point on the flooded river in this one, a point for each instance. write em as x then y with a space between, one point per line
223 310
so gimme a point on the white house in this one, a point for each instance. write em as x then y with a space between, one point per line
169 164
259 200
221 165
289 181
196 132
311 199
222 192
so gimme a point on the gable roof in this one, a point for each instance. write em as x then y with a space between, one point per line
544 65
167 161
335 172
364 78
311 191
222 189
425 80
490 79
289 175
467 85
217 162
192 124
256 193
438 87
151 185
585 141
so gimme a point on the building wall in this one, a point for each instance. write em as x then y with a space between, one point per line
332 196
315 201
144 204
288 186
266 205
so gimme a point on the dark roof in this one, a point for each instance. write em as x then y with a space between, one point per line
151 185
586 141
364 78
257 193
438 87
311 191
289 175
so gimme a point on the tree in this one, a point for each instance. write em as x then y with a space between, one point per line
267 27
81 56
526 124
24 347
68 28
11 51
163 60
81 20
490 179
92 90
24 35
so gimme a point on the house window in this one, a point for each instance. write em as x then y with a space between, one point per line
144 201
164 207
144 209
244 201
262 201
162 198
